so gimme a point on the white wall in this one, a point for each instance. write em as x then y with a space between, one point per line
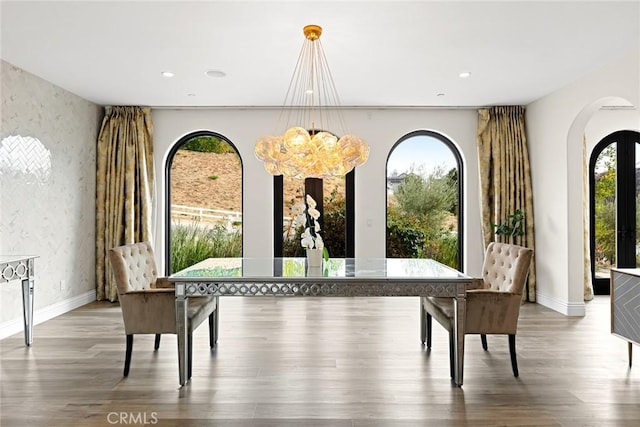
606 122
53 218
381 128
555 126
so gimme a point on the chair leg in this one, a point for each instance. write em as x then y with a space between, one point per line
127 356
451 354
189 354
429 323
156 345
512 351
630 349
483 339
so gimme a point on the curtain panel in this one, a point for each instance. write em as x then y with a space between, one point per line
505 177
124 188
586 234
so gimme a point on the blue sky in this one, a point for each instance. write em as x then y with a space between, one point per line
420 151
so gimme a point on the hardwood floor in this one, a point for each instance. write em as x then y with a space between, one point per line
319 363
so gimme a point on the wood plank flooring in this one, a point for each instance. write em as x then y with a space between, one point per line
318 363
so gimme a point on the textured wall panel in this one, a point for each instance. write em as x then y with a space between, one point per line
625 306
47 188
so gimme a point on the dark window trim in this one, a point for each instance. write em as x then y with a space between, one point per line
278 216
167 189
456 153
316 185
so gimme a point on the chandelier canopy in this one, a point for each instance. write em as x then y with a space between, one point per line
308 149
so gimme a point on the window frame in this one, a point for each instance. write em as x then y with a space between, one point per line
458 157
313 186
167 187
626 183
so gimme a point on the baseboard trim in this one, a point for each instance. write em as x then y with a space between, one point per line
14 326
567 308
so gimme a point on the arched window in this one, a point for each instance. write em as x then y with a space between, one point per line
424 199
204 200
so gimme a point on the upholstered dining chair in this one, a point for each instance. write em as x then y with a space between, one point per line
148 301
492 309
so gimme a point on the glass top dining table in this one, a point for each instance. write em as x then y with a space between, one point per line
341 277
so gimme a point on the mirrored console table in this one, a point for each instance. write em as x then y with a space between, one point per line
21 267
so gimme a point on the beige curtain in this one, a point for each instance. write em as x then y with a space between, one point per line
505 177
124 187
588 285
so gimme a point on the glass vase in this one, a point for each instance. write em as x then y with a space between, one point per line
314 258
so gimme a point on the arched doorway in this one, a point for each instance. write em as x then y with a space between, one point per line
579 145
613 200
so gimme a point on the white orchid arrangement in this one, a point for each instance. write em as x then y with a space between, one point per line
307 216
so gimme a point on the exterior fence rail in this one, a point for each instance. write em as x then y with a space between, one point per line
205 215
230 219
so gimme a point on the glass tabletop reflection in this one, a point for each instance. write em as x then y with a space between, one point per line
334 267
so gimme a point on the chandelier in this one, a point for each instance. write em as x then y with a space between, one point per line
308 149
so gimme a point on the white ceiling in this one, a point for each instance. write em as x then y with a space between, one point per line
384 53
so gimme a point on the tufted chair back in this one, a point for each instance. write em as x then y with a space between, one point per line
506 267
134 267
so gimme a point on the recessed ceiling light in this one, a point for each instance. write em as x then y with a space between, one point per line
464 74
215 73
167 74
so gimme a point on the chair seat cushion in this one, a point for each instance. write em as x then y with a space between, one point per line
440 309
199 309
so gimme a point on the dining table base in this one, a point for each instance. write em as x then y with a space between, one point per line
457 292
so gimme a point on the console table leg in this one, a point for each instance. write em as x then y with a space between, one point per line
27 309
